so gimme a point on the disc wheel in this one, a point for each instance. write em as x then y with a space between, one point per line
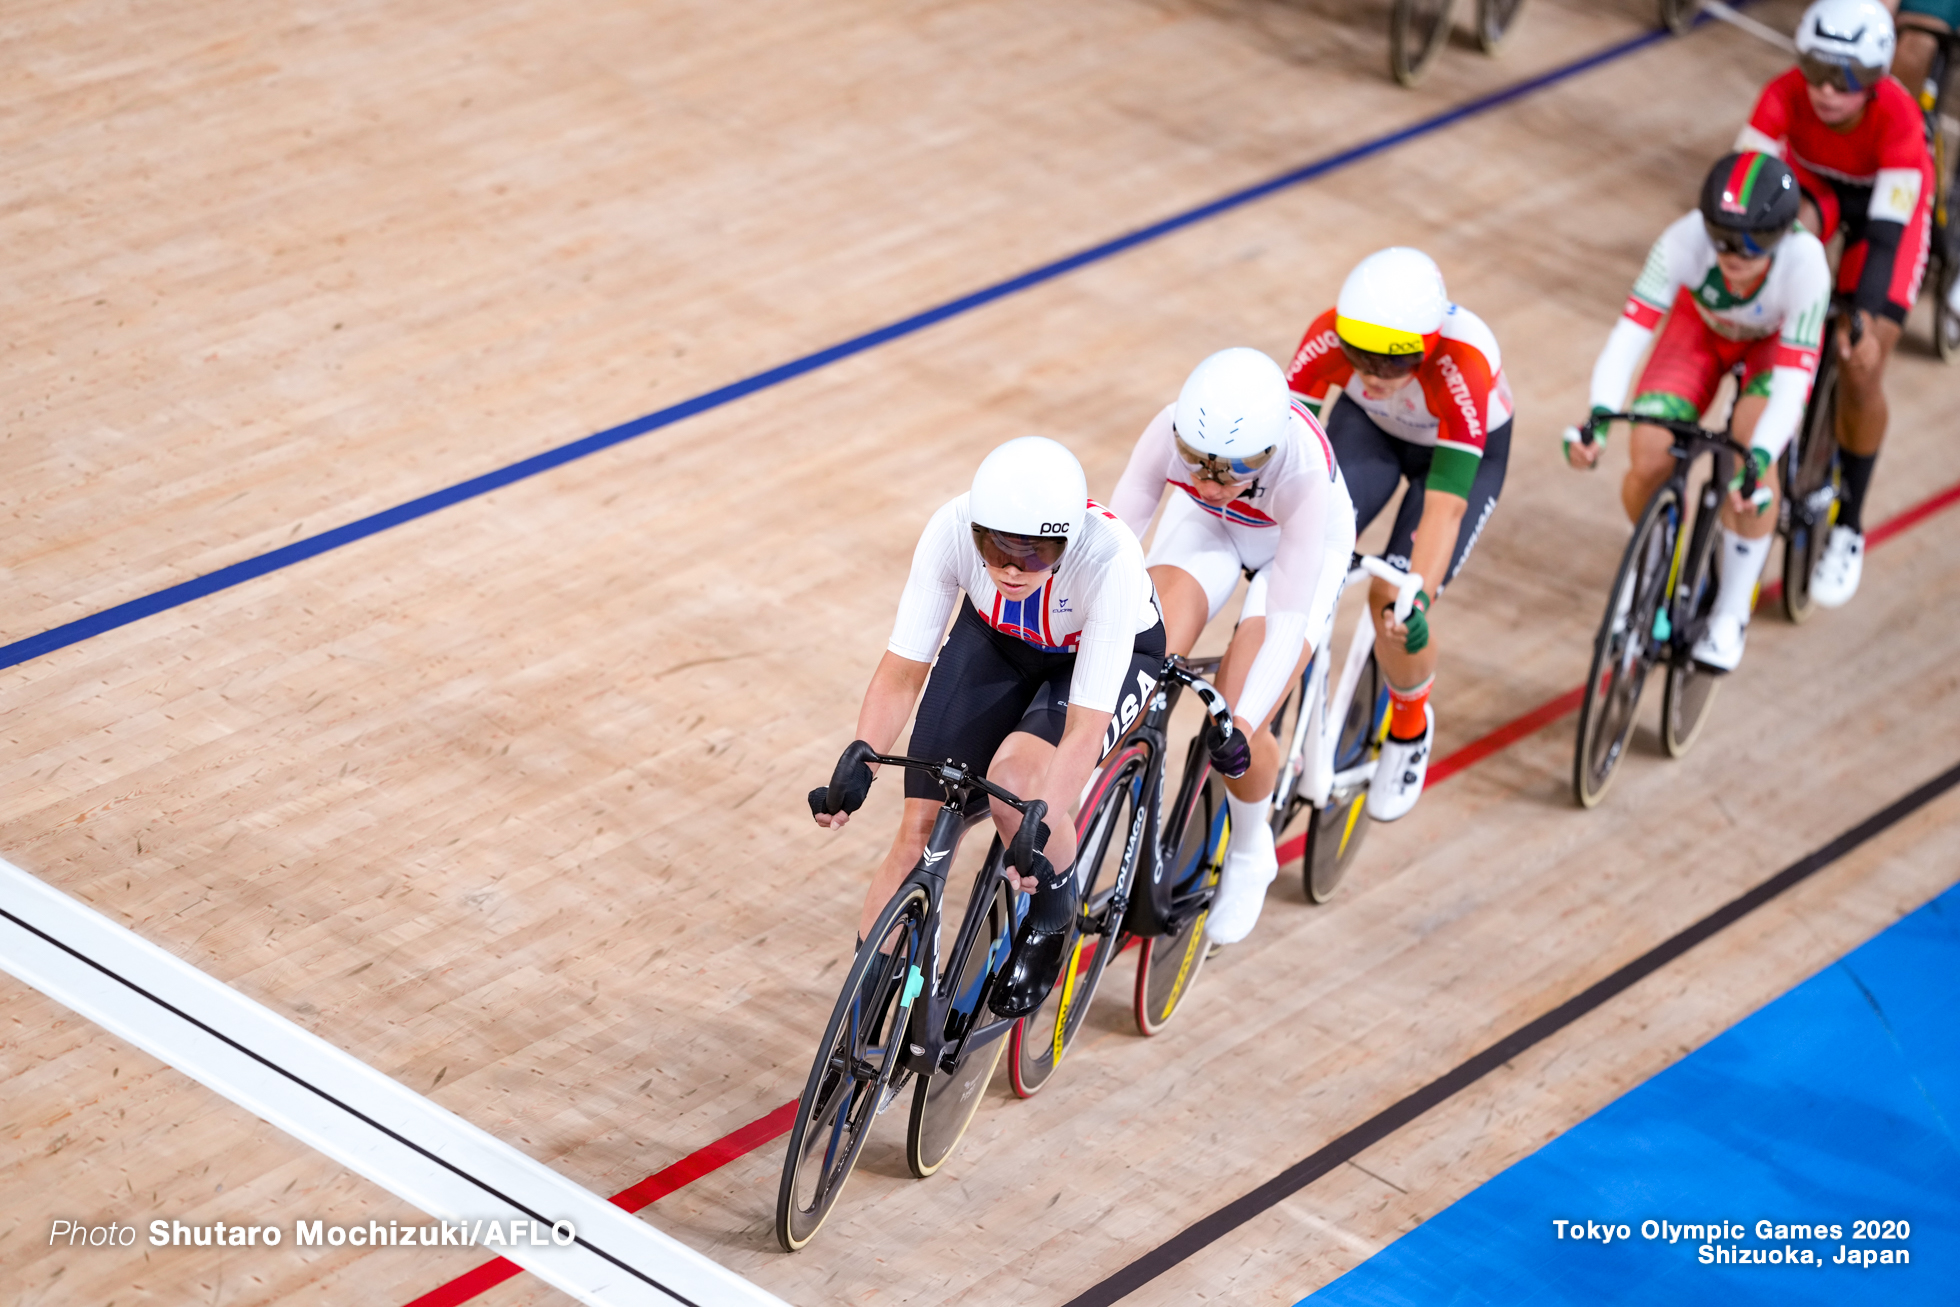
1690 689
1495 19
1042 1038
1812 491
1334 832
1168 965
1679 15
1625 648
1417 32
944 1102
856 1061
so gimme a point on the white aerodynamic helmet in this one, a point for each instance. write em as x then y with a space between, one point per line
1392 300
1029 500
1233 410
1846 43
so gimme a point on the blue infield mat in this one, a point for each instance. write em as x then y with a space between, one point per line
1838 1106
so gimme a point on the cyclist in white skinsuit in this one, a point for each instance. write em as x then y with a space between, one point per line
1254 488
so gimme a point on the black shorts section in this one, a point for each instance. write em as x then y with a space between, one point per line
985 686
1376 463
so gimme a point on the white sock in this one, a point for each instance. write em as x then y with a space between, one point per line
1742 566
1246 813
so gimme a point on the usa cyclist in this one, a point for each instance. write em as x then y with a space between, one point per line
1253 487
1057 632
1738 280
1410 386
1856 141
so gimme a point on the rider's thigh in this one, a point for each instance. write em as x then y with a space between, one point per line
1649 451
1867 371
1019 766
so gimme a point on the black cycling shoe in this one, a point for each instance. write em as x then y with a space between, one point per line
1040 944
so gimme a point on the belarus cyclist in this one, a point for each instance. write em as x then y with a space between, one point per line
1254 488
1057 626
1857 143
1410 386
1739 281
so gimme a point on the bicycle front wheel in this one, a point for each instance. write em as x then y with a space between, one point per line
1679 15
1630 636
1946 321
1042 1038
944 1103
1494 22
1811 492
1691 689
1168 965
1334 832
1417 32
855 1063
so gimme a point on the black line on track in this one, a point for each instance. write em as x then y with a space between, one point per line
352 1111
1222 1222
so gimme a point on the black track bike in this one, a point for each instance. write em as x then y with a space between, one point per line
1658 608
1129 838
1937 104
908 1012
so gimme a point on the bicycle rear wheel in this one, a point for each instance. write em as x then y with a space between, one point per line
1042 1039
1417 32
1168 965
1811 492
1691 690
1494 22
944 1103
1334 832
1624 650
1679 15
855 1062
1946 322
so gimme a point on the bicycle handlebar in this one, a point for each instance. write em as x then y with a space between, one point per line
1028 837
1216 708
1406 584
1688 431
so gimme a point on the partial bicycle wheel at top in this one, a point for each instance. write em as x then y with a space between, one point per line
1042 1038
1679 15
1496 20
1629 640
856 1061
1417 32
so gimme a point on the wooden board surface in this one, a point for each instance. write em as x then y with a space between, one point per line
507 800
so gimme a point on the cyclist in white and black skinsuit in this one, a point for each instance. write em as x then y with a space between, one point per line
1254 487
1055 649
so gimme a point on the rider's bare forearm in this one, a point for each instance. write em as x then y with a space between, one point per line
1075 757
1442 518
888 700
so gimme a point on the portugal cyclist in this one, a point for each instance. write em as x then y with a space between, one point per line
1410 386
1058 623
1856 141
1253 487
1738 281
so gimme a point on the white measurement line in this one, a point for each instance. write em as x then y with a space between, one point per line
1762 31
336 1103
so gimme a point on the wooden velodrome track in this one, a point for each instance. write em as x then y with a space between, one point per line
507 800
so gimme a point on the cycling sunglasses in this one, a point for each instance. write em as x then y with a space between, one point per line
1028 553
1216 467
1842 77
1749 244
1385 366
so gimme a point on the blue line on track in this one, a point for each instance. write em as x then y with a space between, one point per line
109 619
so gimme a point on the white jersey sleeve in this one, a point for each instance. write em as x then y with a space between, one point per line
933 587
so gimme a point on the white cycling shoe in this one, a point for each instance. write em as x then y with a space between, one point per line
1720 647
1399 774
1251 863
1838 571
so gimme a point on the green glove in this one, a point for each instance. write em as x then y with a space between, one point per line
1417 623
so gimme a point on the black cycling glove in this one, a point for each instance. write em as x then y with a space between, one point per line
1229 757
849 796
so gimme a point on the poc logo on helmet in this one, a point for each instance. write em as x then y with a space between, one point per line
1054 528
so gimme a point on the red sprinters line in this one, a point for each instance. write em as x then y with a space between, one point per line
656 1186
757 1133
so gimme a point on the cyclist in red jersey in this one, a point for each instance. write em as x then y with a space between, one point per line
1856 141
